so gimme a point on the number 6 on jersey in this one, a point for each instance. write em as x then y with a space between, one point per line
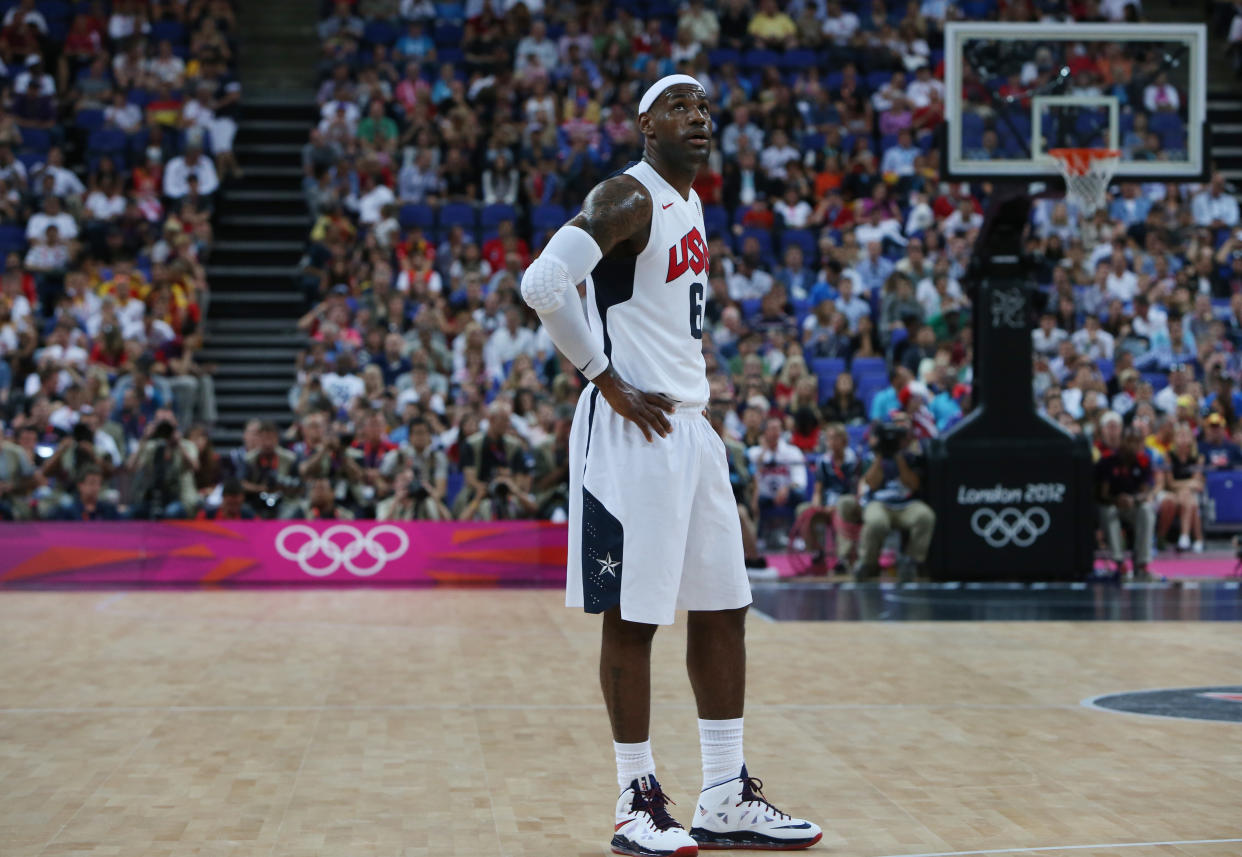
696 310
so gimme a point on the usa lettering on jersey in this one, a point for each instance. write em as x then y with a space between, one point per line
693 256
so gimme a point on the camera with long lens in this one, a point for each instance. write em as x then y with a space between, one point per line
890 438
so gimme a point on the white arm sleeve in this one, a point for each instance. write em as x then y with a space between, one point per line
548 286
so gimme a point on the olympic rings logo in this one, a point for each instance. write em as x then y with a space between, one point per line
338 553
1010 525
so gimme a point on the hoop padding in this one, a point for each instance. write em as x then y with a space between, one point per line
1087 173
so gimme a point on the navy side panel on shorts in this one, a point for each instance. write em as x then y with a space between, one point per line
602 540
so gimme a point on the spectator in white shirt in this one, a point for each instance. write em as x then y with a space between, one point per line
65 183
105 202
26 13
166 66
920 89
49 256
537 44
1122 283
839 26
777 154
1161 96
965 219
741 126
1215 207
177 173
371 203
749 281
1047 338
1092 340
34 72
122 114
510 339
51 215
795 213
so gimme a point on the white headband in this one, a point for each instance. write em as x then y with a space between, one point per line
657 89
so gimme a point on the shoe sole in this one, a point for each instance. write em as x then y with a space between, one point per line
748 842
624 846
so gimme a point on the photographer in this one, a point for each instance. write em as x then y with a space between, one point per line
551 473
163 469
1124 483
320 504
17 479
412 501
891 486
232 505
507 498
494 465
269 476
834 500
428 464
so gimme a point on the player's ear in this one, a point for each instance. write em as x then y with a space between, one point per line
644 123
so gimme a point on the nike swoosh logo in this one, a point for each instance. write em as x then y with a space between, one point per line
667 205
622 824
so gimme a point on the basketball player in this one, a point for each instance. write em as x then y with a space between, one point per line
653 524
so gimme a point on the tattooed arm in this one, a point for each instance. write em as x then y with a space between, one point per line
615 220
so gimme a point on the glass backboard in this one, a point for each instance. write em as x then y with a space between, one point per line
1015 90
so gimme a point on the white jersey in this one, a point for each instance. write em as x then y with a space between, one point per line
649 308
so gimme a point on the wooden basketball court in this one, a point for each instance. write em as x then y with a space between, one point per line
408 723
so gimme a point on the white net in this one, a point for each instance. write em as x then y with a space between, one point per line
1087 173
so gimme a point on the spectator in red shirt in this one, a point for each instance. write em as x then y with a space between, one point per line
495 249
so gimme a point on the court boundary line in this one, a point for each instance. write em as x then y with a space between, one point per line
1091 705
1068 847
519 706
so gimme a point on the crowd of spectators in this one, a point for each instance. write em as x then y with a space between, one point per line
116 126
454 138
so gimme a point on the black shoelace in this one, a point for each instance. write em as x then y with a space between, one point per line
657 802
752 792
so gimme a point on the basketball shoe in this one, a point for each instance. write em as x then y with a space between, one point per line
644 827
736 815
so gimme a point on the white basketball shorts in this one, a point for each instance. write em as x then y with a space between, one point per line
653 526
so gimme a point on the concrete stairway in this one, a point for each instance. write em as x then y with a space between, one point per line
261 229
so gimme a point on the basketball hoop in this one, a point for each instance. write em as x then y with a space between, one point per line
1087 173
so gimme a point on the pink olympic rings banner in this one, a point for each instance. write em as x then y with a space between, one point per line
125 554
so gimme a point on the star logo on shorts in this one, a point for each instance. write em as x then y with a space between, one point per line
608 564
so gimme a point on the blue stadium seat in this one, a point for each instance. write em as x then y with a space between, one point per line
799 59
12 238
106 141
548 216
173 31
459 214
36 140
1158 380
380 32
720 56
493 214
750 308
447 34
1224 491
759 59
1107 368
869 367
716 219
866 389
857 435
415 214
827 369
763 236
89 119
803 238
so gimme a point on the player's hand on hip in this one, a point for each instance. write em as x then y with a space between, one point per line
648 411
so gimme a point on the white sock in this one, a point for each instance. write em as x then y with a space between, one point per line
721 741
633 761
